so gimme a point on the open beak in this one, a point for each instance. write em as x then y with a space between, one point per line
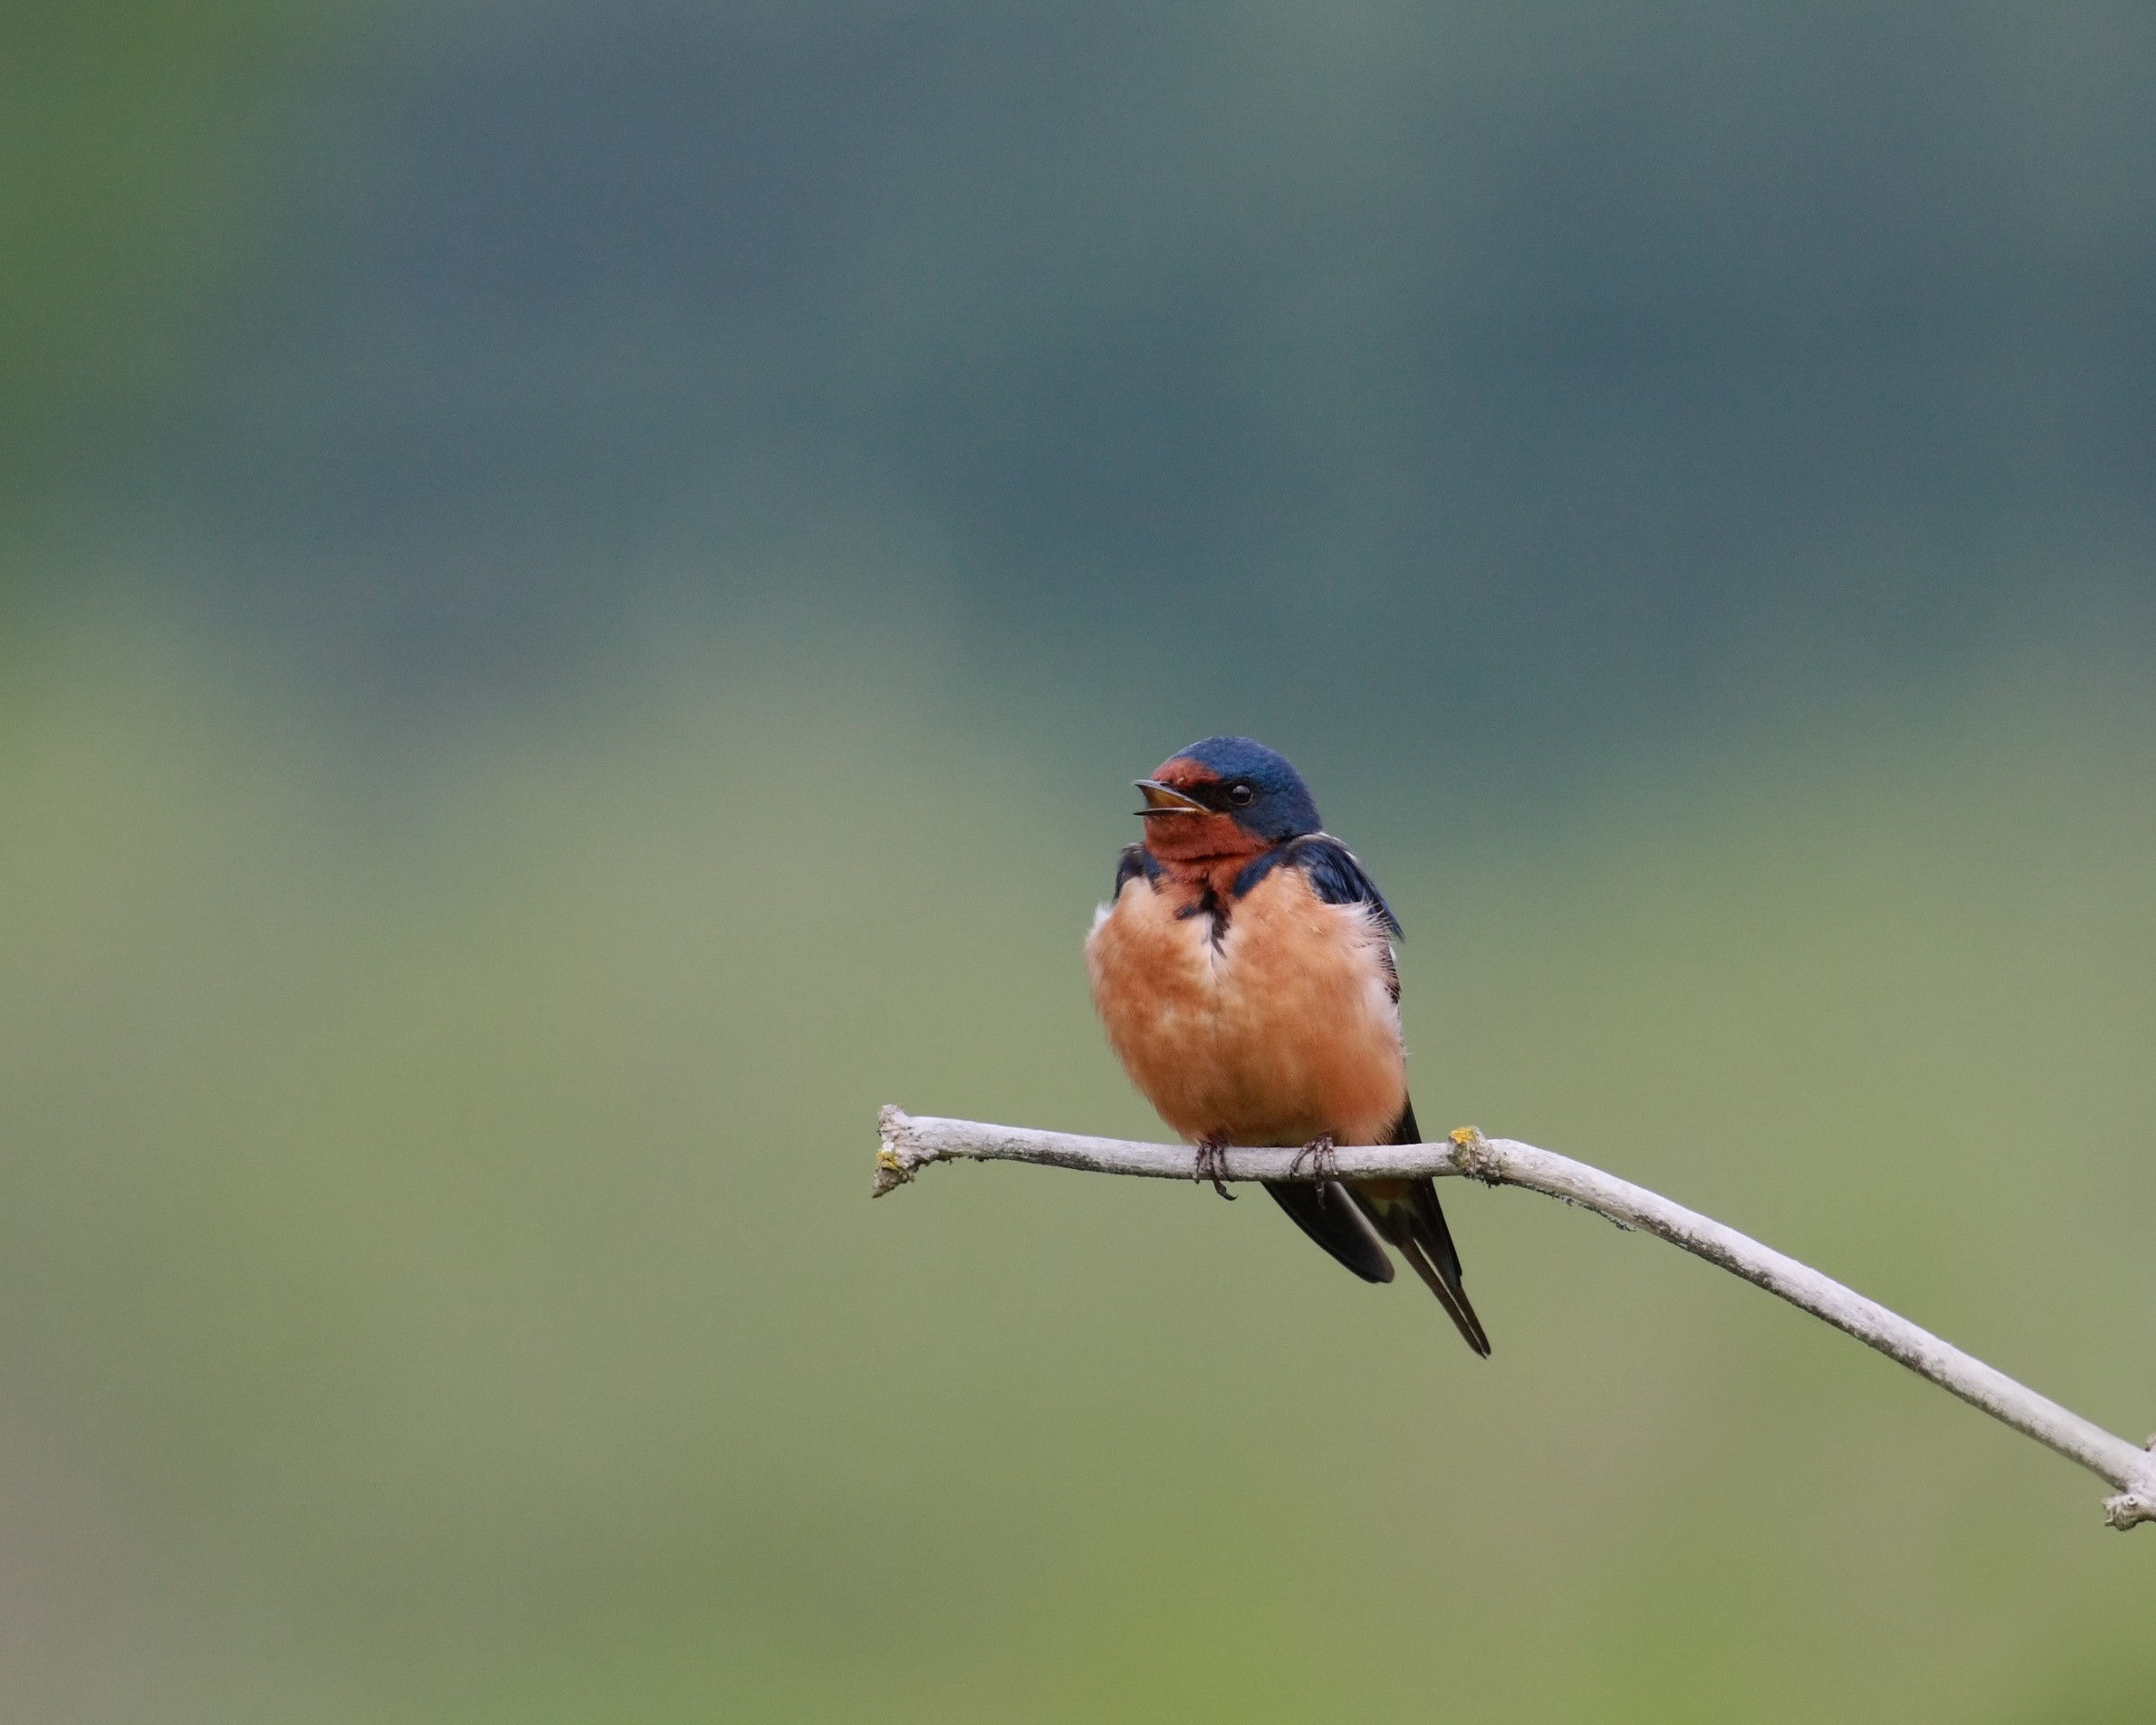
1162 800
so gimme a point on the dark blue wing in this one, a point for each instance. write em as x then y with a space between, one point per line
1332 870
1132 863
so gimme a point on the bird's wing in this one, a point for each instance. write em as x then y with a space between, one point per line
1132 863
1404 1212
1324 1212
1335 874
1337 877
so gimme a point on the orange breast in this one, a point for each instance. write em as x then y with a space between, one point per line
1281 1030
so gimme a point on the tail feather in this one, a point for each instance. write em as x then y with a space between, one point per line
1450 1294
1404 1211
1407 1213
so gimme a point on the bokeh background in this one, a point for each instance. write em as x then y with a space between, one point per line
581 586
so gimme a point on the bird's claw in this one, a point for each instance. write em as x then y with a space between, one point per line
1210 1163
1318 1153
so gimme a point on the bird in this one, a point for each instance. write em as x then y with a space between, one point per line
1243 969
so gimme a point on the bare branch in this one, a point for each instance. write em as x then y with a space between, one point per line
910 1144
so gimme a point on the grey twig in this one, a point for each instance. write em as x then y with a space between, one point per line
910 1143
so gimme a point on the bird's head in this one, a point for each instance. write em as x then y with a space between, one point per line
1226 796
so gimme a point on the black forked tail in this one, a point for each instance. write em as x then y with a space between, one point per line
1407 1213
1427 1245
1403 1212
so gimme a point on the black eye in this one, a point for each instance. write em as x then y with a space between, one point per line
1241 794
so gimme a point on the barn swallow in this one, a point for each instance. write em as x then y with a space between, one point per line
1244 971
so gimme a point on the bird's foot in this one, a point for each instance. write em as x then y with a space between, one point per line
1318 1153
1212 1162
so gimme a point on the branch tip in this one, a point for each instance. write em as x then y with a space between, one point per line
2137 1502
896 1157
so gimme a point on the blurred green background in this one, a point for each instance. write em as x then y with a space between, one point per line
581 588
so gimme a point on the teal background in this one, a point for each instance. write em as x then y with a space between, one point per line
582 589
